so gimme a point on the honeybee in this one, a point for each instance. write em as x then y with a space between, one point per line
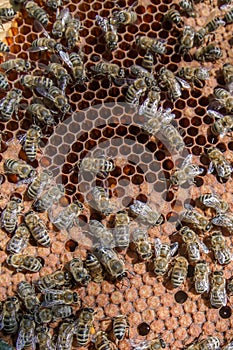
54 4
210 343
227 71
9 316
44 338
10 214
172 135
152 45
41 113
218 296
223 220
96 165
211 25
24 262
56 96
188 7
10 104
4 48
155 344
65 335
193 244
120 327
211 200
111 70
79 272
78 69
60 74
26 335
26 292
101 200
186 173
94 268
73 27
124 17
163 255
219 246
84 325
225 4
66 218
172 83
219 163
145 214
37 12
102 341
179 271
55 297
101 233
225 98
17 64
32 140
19 241
38 184
32 81
43 315
148 61
140 72
59 25
187 39
228 17
142 244
194 75
37 228
19 168
230 287
209 52
121 230
149 108
137 90
194 218
49 198
173 16
4 84
6 14
61 311
110 32
55 280
201 277
113 265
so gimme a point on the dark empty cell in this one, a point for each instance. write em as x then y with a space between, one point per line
160 186
225 312
94 85
75 97
184 122
132 54
167 104
181 297
128 37
203 101
90 144
156 26
140 10
192 131
108 132
96 6
74 178
142 198
128 63
138 149
222 147
19 39
185 94
196 150
132 29
196 121
230 146
150 178
12 126
168 196
196 93
129 169
172 67
172 216
191 102
91 14
99 48
77 147
151 146
146 158
108 4
164 59
70 189
168 164
169 50
163 35
114 91
124 46
72 158
163 8
180 104
143 329
88 95
201 140
119 192
116 172
199 181
207 119
142 138
71 245
12 76
212 139
188 141
121 130
144 27
112 182
83 136
159 155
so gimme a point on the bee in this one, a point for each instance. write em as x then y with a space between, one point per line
219 163
179 271
56 96
101 200
6 14
4 84
18 64
120 327
211 200
149 108
41 113
195 219
121 230
140 72
54 4
37 228
78 69
101 233
27 294
61 311
172 83
145 214
218 296
228 17
32 81
188 7
10 104
155 344
38 184
65 335
59 25
43 315
225 4
148 61
10 315
172 135
19 241
124 17
102 341
19 168
84 326
55 297
229 346
67 217
55 280
211 25
194 75
225 98
227 71
142 244
223 220
94 268
37 12
111 70
230 287
4 48
49 198
79 272
110 32
209 52
210 343
96 165
32 140
173 16
151 45
186 173
187 39
137 90
24 262
11 213
113 265
193 244
26 335
73 27
163 255
201 277
60 74
219 246
44 338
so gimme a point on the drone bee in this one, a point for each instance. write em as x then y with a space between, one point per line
19 241
201 277
211 25
10 104
56 96
155 344
120 327
219 163
67 217
218 296
27 294
24 262
148 61
187 39
4 48
221 252
209 52
173 16
101 233
172 83
10 316
17 64
121 230
172 135
78 69
94 268
152 45
193 244
111 70
186 173
102 341
19 168
37 12
179 272
55 280
110 32
227 71
188 7
41 113
163 255
223 220
142 244
228 17
145 214
223 125
47 200
65 335
79 272
32 141
149 108
194 75
38 184
59 25
96 165
4 84
37 228
224 98
54 297
44 338
195 219
213 201
11 213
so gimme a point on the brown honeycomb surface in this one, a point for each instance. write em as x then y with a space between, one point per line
101 120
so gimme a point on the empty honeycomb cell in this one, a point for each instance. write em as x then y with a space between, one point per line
191 102
200 111
159 155
144 27
196 121
203 101
201 140
163 34
212 139
184 122
168 164
180 104
71 245
192 131
188 141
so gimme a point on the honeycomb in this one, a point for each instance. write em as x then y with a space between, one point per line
102 122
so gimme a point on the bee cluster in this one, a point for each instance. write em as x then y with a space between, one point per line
66 57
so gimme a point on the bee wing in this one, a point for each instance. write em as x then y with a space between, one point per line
64 14
65 57
1 322
140 346
173 248
222 220
214 114
37 48
203 246
20 343
157 246
183 83
187 161
220 256
102 23
212 15
44 93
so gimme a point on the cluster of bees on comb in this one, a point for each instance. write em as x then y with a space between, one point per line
56 309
